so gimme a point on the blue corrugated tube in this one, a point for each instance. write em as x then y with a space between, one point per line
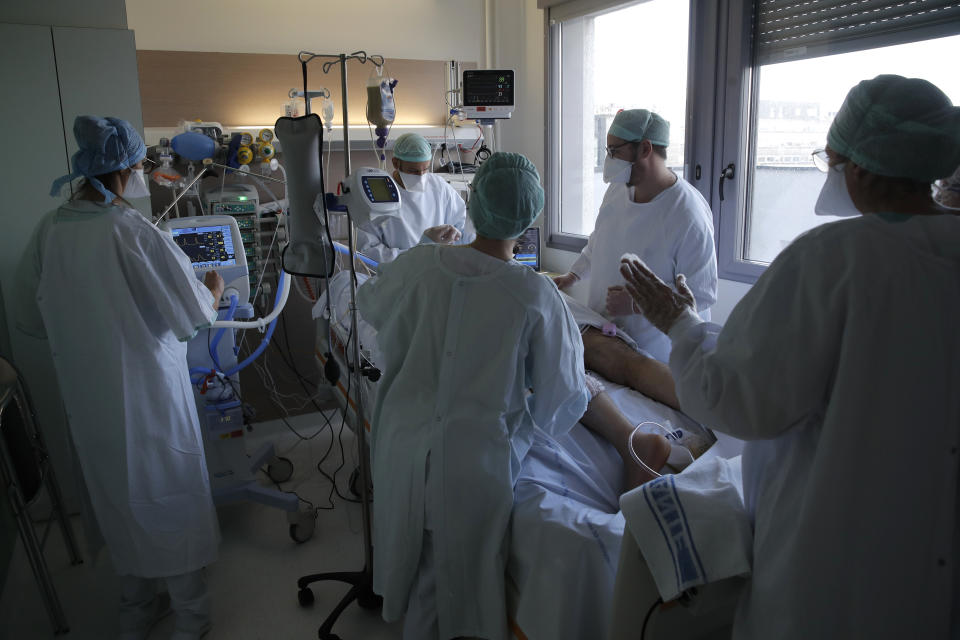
259 350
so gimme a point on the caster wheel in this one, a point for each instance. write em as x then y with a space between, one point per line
280 470
369 600
305 597
302 531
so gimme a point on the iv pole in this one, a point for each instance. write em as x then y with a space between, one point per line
361 582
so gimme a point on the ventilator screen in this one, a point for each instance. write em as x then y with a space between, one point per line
207 247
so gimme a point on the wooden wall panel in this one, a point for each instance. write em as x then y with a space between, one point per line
237 89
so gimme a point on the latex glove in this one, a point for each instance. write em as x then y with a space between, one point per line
659 303
620 302
566 280
213 282
443 234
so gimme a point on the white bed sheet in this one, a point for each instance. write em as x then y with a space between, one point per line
566 527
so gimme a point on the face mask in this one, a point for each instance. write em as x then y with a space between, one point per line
615 170
834 197
412 181
136 185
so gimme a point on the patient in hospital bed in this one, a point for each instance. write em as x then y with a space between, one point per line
615 357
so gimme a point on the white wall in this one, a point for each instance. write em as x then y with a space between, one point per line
413 29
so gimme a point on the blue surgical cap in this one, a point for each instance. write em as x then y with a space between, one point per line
507 196
640 124
412 147
898 127
106 145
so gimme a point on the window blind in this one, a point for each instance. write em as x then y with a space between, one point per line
794 29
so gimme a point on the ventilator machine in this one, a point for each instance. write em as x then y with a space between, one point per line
215 243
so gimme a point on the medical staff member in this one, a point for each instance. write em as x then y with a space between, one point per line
841 367
118 301
649 211
466 332
430 212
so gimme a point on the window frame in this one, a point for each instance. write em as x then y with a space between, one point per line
698 150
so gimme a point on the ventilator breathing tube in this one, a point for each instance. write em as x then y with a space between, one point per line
234 301
339 248
282 292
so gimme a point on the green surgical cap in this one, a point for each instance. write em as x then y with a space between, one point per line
640 124
412 147
507 196
898 127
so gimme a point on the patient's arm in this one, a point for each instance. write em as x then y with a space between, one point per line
604 419
616 361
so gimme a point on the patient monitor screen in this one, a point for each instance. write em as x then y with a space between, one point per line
487 87
527 249
207 247
378 189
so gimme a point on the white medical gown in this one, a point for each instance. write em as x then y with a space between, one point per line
461 352
436 203
117 300
842 366
673 234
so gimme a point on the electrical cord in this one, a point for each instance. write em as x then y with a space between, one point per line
646 619
314 507
343 457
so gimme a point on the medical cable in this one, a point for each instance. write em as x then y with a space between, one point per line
343 457
313 507
327 426
633 452
263 272
339 248
327 166
646 619
176 198
326 225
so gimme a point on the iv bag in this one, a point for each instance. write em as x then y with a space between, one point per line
381 110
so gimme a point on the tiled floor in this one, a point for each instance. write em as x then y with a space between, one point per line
253 585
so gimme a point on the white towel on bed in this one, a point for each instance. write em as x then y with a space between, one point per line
692 528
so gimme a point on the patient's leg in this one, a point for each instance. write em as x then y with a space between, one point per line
616 361
604 419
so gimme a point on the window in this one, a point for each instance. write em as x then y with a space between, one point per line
800 62
796 104
633 56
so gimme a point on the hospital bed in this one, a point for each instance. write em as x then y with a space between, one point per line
566 529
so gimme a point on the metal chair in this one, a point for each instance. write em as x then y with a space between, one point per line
25 470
